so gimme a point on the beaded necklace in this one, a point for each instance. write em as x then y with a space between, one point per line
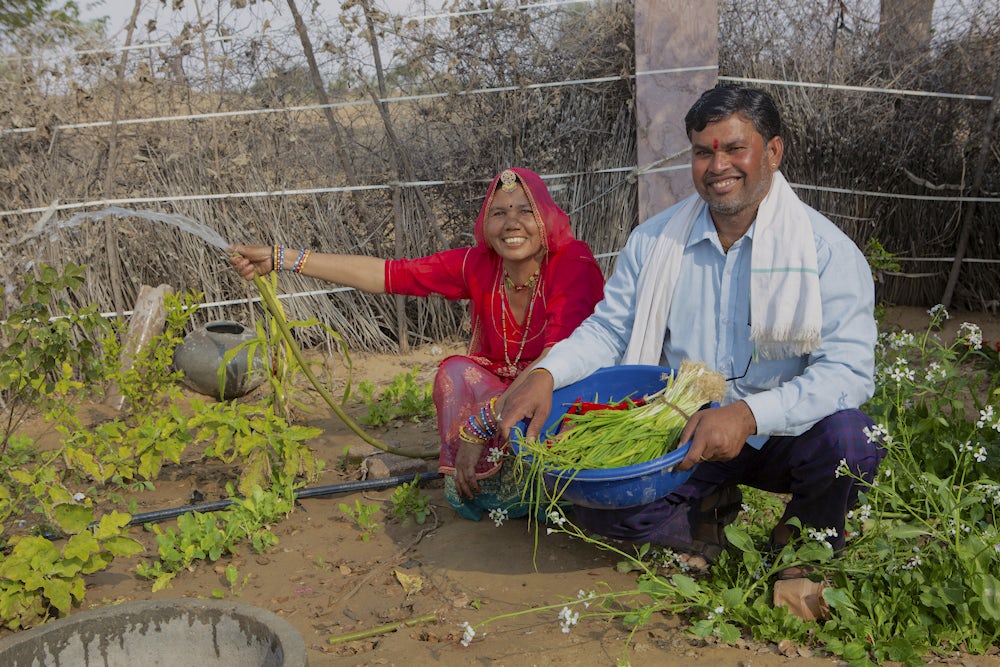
532 279
504 307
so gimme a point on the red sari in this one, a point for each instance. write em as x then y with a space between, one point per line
569 285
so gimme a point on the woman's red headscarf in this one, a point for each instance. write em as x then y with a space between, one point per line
552 221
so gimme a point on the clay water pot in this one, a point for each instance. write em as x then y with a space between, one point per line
203 352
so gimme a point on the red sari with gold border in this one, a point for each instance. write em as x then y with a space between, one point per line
569 285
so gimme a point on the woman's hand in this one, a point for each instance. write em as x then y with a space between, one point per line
465 469
251 261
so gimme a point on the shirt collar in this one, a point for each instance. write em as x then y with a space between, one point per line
704 229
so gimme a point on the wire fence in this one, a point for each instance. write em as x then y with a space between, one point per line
232 71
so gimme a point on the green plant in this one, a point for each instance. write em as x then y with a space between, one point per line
403 398
208 537
361 515
40 580
143 372
278 352
879 259
130 450
919 573
47 353
120 451
273 452
233 580
408 500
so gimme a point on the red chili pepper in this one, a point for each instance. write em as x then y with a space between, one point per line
580 406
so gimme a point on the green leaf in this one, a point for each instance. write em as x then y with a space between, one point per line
989 594
58 593
81 546
688 587
72 518
906 531
163 581
739 538
124 547
111 524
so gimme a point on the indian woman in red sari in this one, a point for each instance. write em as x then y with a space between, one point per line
529 283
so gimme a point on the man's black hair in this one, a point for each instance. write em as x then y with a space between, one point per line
725 99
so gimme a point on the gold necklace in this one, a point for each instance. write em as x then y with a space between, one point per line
511 368
509 282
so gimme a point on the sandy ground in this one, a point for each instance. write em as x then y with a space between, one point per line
326 580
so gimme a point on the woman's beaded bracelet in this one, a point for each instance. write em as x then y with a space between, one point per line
465 436
278 258
301 261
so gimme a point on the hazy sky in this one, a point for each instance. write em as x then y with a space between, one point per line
119 11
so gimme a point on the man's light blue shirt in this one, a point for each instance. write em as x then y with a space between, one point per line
709 321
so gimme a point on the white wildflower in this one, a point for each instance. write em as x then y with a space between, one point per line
987 418
971 335
935 372
901 371
585 597
822 534
989 490
939 313
567 619
499 516
468 635
79 497
861 514
556 517
842 469
876 433
901 339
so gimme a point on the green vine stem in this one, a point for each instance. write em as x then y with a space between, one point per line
381 629
271 303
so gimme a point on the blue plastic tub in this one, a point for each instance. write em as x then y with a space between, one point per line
613 488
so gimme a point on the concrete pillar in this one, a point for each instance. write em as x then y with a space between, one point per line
676 59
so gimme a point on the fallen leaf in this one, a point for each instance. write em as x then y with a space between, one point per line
411 583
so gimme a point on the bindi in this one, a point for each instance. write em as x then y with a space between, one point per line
715 144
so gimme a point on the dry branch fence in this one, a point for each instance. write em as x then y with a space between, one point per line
222 122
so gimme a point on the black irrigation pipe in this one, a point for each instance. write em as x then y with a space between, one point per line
312 492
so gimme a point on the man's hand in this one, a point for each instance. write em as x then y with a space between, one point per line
717 434
465 469
532 401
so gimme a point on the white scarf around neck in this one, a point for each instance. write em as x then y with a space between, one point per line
786 312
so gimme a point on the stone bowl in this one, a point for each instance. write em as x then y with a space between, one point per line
160 633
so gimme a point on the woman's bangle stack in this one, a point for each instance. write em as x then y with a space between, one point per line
278 259
481 427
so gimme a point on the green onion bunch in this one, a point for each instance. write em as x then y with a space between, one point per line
616 438
619 436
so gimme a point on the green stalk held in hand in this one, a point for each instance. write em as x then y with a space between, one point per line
270 301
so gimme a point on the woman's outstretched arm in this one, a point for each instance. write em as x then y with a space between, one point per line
358 271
